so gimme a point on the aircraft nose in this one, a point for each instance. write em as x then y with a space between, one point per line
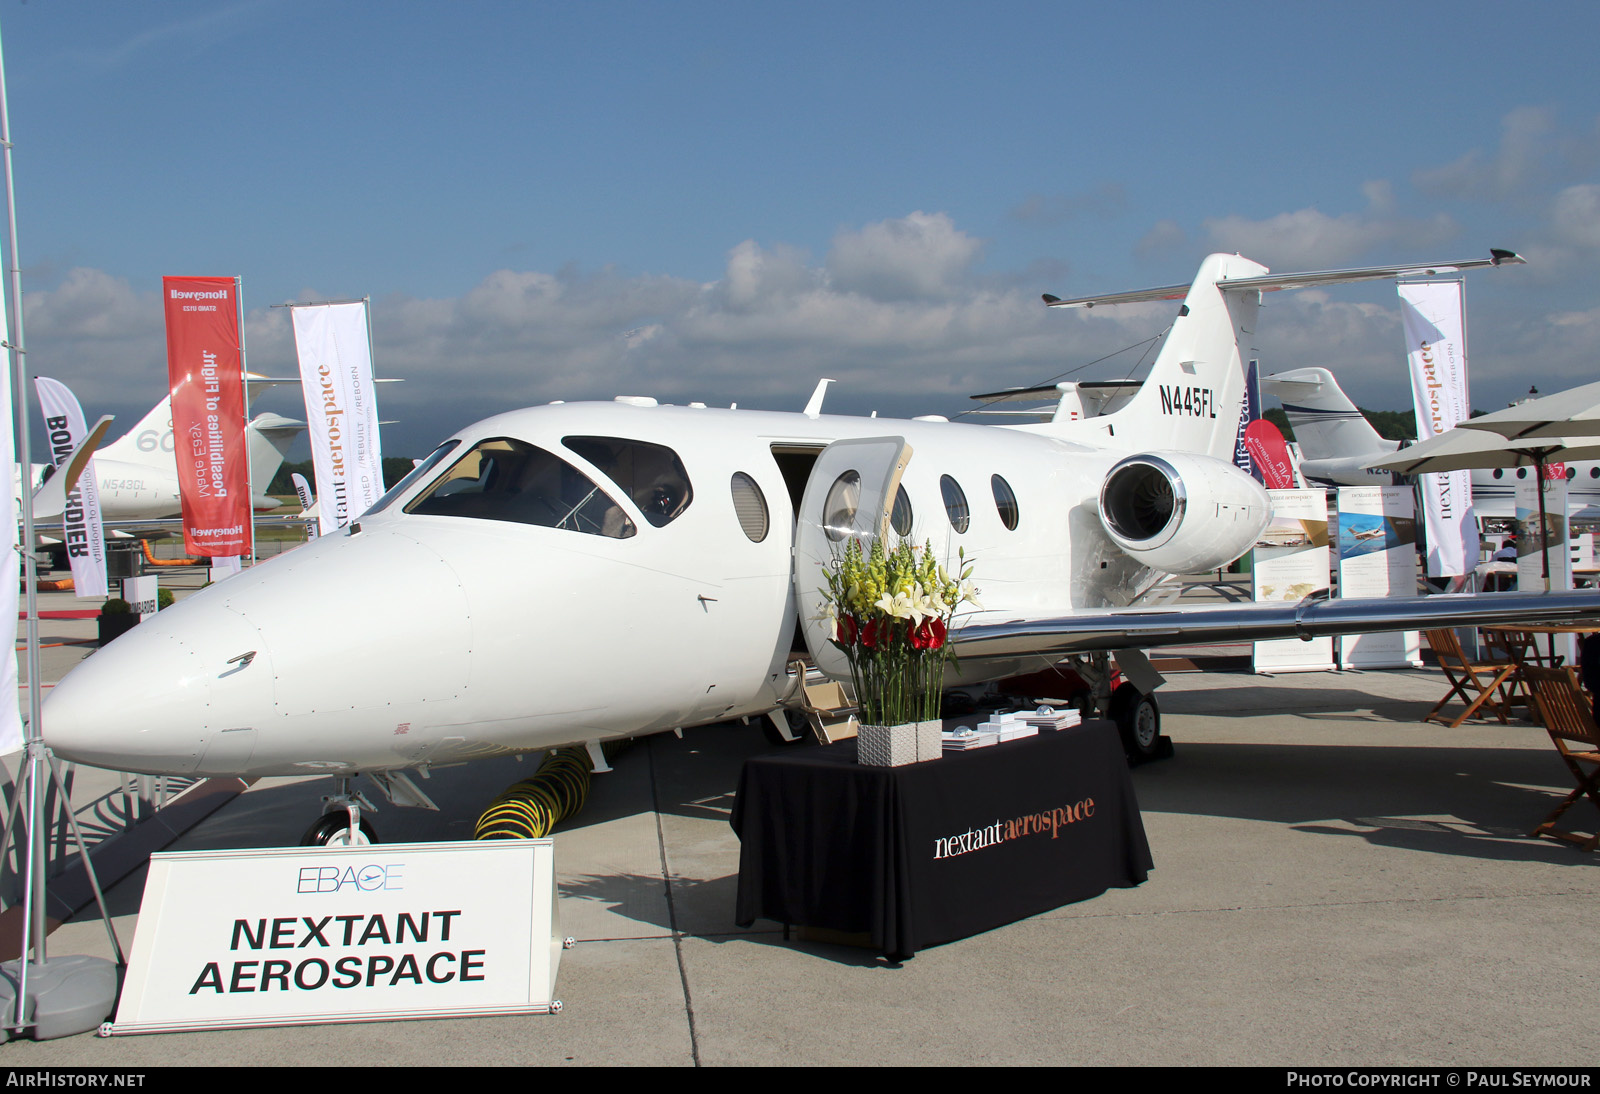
157 698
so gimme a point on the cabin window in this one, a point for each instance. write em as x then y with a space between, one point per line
510 480
414 476
955 503
1572 472
839 510
1005 501
900 517
750 506
1522 472
1499 472
650 474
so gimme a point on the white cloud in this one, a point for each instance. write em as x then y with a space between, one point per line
1309 238
1518 162
897 314
919 256
1575 216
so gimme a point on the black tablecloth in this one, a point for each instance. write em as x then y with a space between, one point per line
936 851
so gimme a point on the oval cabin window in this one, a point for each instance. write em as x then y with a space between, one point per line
955 503
1005 502
750 506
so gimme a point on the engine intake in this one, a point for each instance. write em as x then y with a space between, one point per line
1182 513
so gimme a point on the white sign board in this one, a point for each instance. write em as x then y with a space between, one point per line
1378 558
300 936
1291 563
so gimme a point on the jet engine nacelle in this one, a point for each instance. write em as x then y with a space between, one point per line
1182 513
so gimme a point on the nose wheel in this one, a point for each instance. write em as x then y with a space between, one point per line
342 825
333 830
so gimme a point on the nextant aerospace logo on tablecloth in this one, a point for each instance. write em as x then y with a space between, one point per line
1048 823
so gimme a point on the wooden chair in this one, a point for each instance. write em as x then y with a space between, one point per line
1477 683
1569 720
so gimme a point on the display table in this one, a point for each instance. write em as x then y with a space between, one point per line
927 853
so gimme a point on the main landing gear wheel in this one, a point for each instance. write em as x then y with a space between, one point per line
333 830
1138 721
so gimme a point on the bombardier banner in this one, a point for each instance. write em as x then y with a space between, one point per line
1436 349
80 520
205 369
335 353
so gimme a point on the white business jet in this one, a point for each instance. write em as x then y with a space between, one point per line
579 572
1336 440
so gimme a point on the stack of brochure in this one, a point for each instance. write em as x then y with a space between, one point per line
1009 725
962 739
1046 718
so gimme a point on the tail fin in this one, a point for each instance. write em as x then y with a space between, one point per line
1191 399
1326 423
269 437
149 442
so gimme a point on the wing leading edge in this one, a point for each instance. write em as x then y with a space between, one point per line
1146 628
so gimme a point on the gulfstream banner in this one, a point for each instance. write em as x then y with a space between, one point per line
342 408
80 520
1436 349
205 367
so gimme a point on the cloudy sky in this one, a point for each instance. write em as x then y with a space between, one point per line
725 201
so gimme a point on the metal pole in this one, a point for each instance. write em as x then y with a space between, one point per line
244 384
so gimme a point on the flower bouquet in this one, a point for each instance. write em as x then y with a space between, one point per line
890 612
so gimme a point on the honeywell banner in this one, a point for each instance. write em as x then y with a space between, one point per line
205 368
1436 350
80 520
336 376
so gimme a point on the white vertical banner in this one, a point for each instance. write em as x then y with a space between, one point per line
82 531
10 558
1436 351
335 352
1291 563
1377 543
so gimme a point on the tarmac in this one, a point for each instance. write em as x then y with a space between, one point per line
1336 883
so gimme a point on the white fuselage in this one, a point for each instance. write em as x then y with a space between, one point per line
426 638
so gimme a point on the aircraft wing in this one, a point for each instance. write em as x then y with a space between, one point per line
981 637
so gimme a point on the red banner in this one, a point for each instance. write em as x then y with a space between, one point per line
1270 454
205 369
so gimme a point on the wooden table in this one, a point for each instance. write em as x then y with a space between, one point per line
1521 646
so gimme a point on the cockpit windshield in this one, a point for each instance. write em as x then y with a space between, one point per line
651 474
413 476
511 480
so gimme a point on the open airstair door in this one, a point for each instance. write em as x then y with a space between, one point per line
849 494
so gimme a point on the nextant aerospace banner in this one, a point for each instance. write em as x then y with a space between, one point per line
82 531
341 405
205 370
1436 350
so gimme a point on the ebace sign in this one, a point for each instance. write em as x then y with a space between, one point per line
296 936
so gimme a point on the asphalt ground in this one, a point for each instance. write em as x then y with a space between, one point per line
1336 883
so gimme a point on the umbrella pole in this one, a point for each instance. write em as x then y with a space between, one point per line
1544 546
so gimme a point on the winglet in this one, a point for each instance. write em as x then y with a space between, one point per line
51 497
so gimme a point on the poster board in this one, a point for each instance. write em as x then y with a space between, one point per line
1377 550
1291 563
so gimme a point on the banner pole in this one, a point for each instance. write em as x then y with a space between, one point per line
244 386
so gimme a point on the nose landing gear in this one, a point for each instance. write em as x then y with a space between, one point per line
341 825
